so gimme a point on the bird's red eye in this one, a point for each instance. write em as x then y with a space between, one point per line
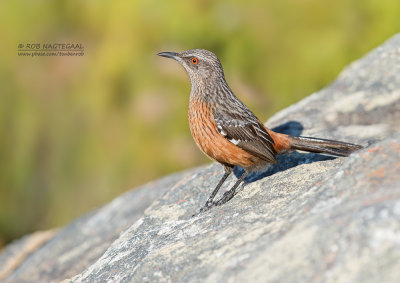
195 60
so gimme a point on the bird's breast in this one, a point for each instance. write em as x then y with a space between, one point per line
204 131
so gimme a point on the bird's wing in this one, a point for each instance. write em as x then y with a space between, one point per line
247 132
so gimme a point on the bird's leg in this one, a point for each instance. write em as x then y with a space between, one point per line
210 203
231 193
215 191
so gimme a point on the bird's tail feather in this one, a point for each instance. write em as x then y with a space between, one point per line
316 145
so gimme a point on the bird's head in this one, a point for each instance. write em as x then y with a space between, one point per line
200 64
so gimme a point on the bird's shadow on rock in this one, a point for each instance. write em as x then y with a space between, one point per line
285 161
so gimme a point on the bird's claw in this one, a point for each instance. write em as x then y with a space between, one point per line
207 206
227 196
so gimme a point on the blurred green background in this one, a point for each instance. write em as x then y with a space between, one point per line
76 132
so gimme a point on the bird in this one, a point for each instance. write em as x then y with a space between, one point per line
228 132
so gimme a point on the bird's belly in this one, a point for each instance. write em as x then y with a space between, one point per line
204 131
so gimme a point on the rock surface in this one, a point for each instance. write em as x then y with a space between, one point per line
310 218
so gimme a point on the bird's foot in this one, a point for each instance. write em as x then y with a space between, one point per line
209 204
227 196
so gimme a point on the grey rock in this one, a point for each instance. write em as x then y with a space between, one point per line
81 243
309 218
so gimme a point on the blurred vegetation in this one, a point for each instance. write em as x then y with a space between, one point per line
77 131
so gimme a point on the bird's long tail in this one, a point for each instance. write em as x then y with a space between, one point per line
316 145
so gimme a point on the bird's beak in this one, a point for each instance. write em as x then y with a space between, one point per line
172 55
